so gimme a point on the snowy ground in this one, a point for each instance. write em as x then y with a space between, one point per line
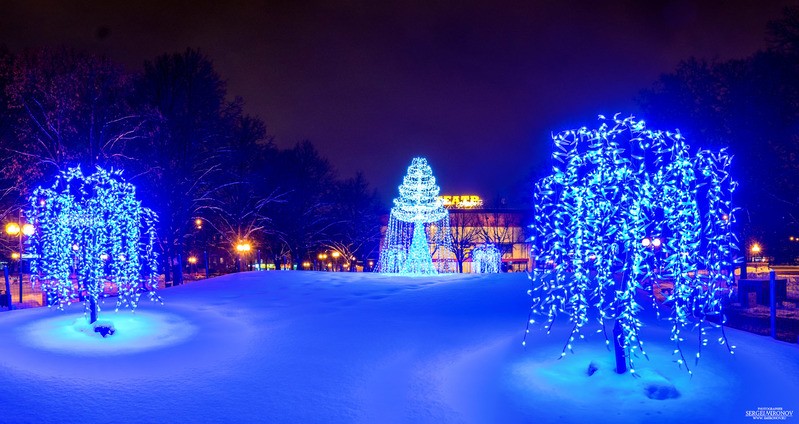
306 347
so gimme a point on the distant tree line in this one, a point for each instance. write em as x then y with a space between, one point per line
751 105
209 170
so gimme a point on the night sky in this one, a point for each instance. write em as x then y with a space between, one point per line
476 87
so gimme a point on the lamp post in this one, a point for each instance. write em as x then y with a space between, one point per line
242 247
192 263
335 256
14 229
322 258
755 249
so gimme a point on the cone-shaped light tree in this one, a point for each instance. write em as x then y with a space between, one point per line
406 248
92 232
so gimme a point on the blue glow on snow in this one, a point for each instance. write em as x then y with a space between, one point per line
135 332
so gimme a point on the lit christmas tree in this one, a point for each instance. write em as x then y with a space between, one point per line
91 228
486 259
626 211
406 249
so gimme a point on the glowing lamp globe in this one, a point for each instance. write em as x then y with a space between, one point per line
28 230
12 229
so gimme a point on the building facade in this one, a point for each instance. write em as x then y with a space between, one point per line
472 225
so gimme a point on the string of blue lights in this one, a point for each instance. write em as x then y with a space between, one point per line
417 221
629 211
91 231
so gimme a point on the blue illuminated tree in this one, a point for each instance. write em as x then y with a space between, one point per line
486 259
406 247
91 231
627 211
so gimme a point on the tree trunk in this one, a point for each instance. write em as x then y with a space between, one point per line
178 280
167 266
618 337
92 309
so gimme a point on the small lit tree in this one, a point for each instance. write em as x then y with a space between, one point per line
486 259
91 228
624 210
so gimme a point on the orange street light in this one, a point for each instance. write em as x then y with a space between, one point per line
12 228
755 249
192 260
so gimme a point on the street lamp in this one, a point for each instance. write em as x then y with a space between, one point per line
653 242
242 247
192 262
198 223
335 256
14 229
755 249
322 258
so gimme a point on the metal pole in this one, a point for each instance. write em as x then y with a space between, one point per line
772 287
259 259
8 286
20 255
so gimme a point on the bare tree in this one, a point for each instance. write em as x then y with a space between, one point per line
501 228
464 227
189 143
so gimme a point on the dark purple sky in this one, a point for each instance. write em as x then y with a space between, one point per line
476 87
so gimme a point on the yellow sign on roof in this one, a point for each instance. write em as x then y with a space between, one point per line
468 201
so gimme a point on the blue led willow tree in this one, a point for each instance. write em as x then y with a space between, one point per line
406 248
91 230
625 210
